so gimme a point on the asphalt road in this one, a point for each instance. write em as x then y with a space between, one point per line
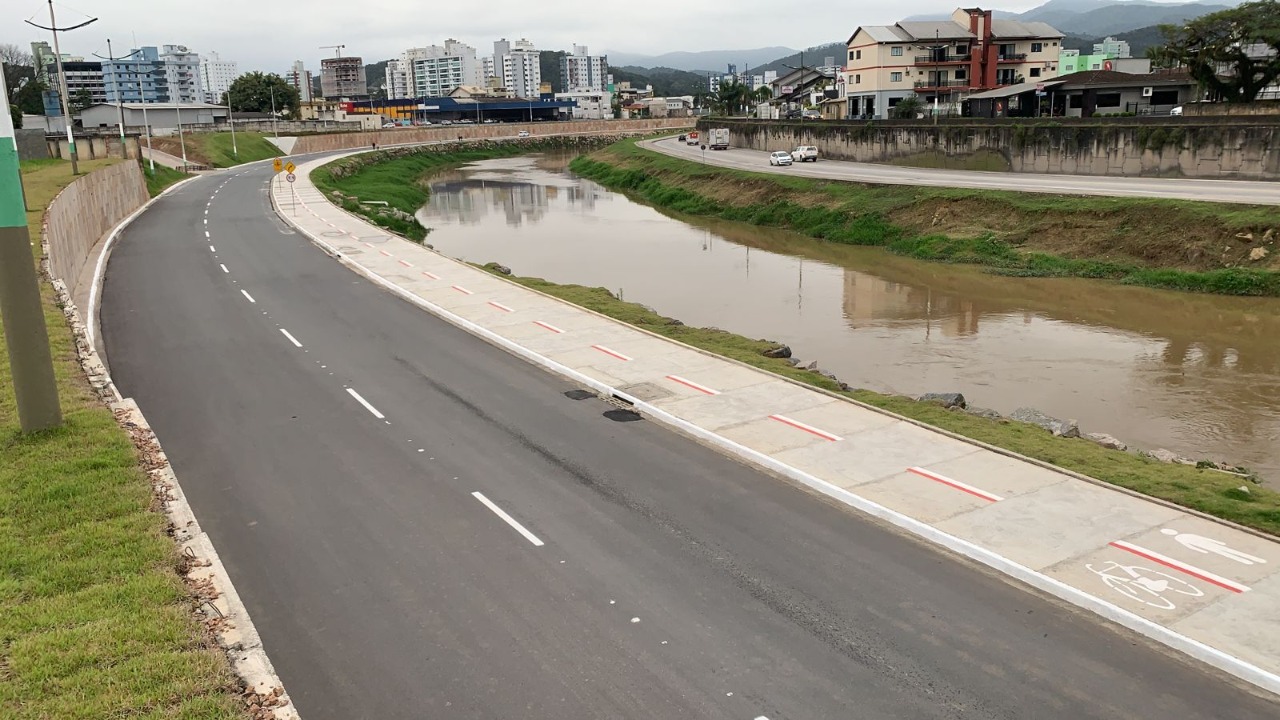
1226 191
672 582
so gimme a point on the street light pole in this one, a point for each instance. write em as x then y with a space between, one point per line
62 83
273 112
181 140
115 81
30 361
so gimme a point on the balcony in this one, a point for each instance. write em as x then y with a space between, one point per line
1011 57
941 59
940 85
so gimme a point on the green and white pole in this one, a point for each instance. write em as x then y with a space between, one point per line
20 307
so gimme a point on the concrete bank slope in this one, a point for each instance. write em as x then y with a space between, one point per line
1196 585
1252 192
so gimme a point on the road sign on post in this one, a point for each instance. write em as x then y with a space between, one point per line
289 167
290 177
277 165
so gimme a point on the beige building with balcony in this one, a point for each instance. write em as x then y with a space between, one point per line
943 61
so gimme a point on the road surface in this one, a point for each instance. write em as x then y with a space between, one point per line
1227 191
424 526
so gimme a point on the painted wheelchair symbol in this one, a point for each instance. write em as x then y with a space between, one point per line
1143 584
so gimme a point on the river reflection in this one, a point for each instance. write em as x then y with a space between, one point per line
1197 374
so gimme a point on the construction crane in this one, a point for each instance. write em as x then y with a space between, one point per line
337 49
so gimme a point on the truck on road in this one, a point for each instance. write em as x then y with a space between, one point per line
718 138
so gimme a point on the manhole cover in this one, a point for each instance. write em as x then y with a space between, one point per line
647 392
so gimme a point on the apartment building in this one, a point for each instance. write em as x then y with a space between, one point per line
584 72
170 74
942 62
217 75
518 65
433 71
85 85
342 77
300 78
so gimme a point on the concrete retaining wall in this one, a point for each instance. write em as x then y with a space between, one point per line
346 141
85 211
1259 108
92 148
1177 148
31 144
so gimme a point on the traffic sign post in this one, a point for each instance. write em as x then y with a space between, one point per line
277 165
289 167
290 177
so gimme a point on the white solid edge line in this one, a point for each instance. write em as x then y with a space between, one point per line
248 297
91 312
1210 655
352 392
224 268
292 339
510 520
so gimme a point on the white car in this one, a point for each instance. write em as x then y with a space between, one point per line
805 153
780 157
1176 112
523 133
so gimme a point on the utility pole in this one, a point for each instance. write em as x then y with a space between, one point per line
273 112
181 140
62 82
26 336
115 81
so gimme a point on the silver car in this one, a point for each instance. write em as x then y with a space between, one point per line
780 157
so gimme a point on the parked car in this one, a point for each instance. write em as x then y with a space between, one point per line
810 115
780 157
805 153
1176 112
388 125
523 133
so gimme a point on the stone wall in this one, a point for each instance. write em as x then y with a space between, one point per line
345 141
85 211
92 148
1176 148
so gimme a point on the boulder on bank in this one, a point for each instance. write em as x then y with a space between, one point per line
1061 428
1106 441
1168 456
947 400
987 413
778 351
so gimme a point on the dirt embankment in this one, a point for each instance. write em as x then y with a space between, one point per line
1147 233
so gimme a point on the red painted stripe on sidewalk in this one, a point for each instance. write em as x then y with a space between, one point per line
368 245
462 290
433 276
692 384
500 306
614 353
406 264
807 428
552 328
1180 566
962 487
384 252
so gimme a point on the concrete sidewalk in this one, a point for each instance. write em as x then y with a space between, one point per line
1194 584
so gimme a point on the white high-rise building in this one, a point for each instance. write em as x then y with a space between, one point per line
182 74
583 72
300 78
433 71
519 65
216 75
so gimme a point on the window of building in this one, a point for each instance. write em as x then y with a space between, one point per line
850 54
896 51
858 53
895 77
857 79
1076 101
1037 47
1108 100
961 73
1035 72
1164 97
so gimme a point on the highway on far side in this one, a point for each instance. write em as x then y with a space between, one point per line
1255 192
422 525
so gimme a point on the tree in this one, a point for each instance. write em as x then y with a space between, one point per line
81 101
1234 53
19 73
252 93
30 97
908 108
731 98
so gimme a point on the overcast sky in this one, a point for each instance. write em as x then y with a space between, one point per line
269 35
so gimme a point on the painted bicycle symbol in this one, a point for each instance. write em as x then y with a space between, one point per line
1143 584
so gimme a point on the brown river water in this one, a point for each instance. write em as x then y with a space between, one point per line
1196 374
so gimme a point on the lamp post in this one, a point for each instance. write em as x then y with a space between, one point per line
62 82
22 311
273 112
181 140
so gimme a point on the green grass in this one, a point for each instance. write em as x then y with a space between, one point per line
1208 491
856 214
94 620
161 178
250 146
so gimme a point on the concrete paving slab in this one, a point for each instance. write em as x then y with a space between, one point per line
880 452
999 474
1243 558
743 405
1248 624
919 497
1066 520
